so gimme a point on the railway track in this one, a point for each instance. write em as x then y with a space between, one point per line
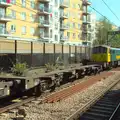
104 106
22 102
12 105
104 109
7 106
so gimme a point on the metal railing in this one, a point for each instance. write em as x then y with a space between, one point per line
3 31
62 37
44 9
63 3
64 26
44 22
62 14
44 35
5 16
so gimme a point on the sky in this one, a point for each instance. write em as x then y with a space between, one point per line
102 8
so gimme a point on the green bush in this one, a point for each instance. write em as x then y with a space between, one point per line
19 68
49 67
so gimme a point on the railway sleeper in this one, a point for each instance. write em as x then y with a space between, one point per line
105 105
88 118
102 108
106 102
96 115
100 111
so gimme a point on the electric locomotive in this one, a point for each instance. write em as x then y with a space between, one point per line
106 55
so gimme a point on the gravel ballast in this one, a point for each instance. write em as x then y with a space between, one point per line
63 109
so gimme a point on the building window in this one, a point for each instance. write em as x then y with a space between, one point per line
78 26
73 35
56 38
13 28
73 25
50 33
23 15
56 26
68 34
32 4
13 1
2 12
74 5
23 2
23 29
56 14
13 14
32 31
56 2
31 17
79 36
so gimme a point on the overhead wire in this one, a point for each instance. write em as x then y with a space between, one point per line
111 10
101 14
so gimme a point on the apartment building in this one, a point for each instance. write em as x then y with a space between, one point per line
18 19
53 21
92 27
86 31
70 22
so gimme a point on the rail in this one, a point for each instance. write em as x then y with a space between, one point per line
15 105
115 113
80 111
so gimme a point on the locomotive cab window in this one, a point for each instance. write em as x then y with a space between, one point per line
99 50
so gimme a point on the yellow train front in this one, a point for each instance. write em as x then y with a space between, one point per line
101 55
106 56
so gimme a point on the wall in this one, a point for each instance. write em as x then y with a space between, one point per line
38 54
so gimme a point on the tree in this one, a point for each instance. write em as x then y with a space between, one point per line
115 41
103 26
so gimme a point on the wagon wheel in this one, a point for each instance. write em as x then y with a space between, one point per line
43 87
58 83
76 75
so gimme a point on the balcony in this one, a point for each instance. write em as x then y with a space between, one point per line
44 36
4 32
44 11
44 23
86 3
64 26
63 38
86 12
5 3
86 30
63 15
44 1
5 18
63 4
86 22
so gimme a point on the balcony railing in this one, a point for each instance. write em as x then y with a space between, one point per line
4 32
86 30
44 23
86 12
64 26
44 0
44 35
86 22
5 3
86 2
63 15
63 38
4 17
64 4
44 10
